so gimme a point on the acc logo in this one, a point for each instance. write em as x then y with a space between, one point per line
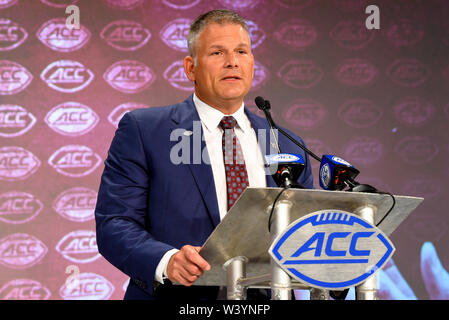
15 120
181 4
351 35
91 286
129 76
24 289
116 115
408 72
340 160
125 35
17 163
296 34
71 119
284 157
416 150
261 76
301 74
405 33
18 207
79 246
20 251
305 113
331 249
174 34
13 77
414 111
76 204
356 72
256 34
364 150
59 3
11 35
124 4
67 76
7 3
55 35
176 76
360 113
74 161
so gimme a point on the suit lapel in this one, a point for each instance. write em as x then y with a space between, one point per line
262 129
186 117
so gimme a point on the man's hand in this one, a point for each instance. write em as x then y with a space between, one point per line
186 266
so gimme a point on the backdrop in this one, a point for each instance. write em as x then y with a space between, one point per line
378 98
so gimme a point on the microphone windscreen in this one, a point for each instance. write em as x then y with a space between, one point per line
260 102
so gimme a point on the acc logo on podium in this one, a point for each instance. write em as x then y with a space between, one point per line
331 249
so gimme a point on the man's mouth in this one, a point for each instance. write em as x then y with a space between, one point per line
232 78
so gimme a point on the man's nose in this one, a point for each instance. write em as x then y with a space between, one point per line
231 60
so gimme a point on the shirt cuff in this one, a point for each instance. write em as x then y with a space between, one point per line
161 269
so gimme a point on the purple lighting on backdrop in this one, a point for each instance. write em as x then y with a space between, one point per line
378 98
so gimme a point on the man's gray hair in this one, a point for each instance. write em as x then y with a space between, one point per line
220 16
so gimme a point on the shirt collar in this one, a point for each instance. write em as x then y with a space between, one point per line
211 117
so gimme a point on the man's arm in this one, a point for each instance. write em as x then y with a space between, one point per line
121 211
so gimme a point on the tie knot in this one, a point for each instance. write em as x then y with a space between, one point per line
228 122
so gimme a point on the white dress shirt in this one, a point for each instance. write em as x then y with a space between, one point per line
210 120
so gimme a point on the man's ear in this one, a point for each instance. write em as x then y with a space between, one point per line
189 67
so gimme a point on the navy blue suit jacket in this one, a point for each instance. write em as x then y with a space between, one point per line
148 205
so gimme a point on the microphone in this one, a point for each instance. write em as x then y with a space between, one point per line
289 167
335 172
264 105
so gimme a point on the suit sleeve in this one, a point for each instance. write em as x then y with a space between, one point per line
121 210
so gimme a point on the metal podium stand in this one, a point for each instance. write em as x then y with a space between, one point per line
237 250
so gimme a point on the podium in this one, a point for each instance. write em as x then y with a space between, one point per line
240 250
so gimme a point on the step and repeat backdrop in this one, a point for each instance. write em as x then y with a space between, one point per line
378 98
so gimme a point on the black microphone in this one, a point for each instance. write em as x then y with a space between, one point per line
265 106
287 166
335 172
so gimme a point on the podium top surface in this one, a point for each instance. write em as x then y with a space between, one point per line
244 229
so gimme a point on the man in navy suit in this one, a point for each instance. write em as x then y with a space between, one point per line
163 189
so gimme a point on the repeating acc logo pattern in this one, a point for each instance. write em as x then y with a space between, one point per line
71 119
329 77
24 289
129 76
16 163
15 121
67 76
90 286
13 77
18 207
74 161
57 36
21 251
12 35
126 35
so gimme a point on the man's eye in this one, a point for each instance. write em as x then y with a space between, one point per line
216 53
242 51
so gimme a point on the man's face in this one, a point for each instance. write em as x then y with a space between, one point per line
224 66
